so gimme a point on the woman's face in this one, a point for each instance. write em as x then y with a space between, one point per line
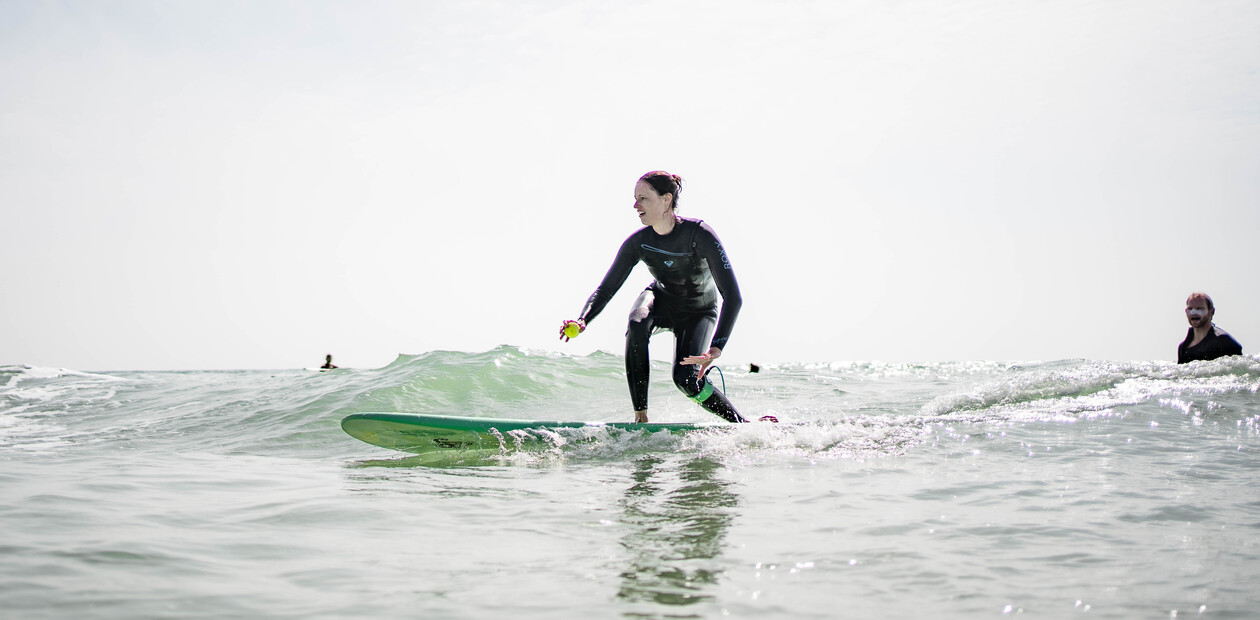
653 208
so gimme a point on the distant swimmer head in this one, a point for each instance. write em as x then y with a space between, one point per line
1199 309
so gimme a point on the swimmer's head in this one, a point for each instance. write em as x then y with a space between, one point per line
1199 309
664 183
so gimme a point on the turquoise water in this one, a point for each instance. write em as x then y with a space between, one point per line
970 489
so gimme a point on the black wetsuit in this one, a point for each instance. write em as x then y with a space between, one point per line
1217 343
686 264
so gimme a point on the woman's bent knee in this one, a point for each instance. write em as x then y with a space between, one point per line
687 378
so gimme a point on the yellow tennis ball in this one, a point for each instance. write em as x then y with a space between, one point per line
571 330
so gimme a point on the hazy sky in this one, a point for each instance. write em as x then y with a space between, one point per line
188 185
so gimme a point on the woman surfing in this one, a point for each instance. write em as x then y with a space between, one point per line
689 270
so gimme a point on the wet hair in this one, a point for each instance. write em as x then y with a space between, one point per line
1204 297
664 183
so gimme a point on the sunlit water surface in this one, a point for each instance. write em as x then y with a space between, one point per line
977 489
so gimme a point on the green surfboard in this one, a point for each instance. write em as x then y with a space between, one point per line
427 434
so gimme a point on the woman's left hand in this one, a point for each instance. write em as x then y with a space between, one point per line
703 361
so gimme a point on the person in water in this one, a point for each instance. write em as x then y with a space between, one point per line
1204 340
689 269
328 365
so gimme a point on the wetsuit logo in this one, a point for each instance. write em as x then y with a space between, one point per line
726 264
669 263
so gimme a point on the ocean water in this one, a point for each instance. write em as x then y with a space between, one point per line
947 490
